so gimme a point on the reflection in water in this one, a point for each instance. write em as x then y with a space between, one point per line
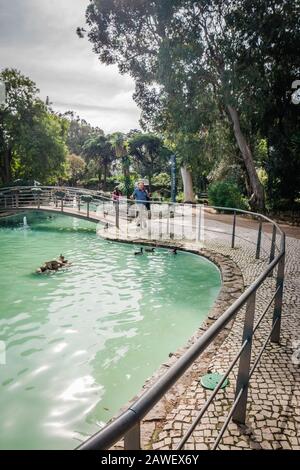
81 343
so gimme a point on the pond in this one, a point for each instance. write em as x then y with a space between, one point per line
81 342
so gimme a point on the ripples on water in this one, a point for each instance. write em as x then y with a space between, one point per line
80 343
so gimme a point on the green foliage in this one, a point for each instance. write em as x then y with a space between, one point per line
180 196
225 194
79 132
98 149
157 196
162 180
91 183
32 139
119 143
149 154
75 168
126 187
195 62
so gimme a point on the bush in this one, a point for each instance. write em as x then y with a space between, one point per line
156 196
126 186
226 194
180 196
92 183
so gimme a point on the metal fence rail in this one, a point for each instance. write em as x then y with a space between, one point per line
166 221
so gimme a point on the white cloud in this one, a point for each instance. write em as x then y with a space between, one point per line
38 38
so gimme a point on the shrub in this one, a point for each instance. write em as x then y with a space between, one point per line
226 194
180 197
92 183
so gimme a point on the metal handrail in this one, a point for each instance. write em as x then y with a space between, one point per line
138 410
127 425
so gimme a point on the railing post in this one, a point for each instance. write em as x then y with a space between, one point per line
117 214
239 415
272 251
233 230
149 225
258 243
132 439
38 201
199 224
87 209
78 201
275 337
160 224
172 216
62 204
194 220
168 221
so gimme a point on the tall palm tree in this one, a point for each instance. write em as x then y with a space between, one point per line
118 141
98 148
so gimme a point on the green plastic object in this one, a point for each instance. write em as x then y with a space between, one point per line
60 194
86 198
210 381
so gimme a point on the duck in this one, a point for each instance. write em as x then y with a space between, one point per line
138 253
53 265
174 251
149 250
106 226
62 259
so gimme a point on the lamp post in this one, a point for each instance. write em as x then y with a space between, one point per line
173 177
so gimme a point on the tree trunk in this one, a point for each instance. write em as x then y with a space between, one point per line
104 176
6 175
187 184
99 177
257 199
126 175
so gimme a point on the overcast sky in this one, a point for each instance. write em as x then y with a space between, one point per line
38 37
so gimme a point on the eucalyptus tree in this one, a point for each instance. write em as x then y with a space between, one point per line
174 47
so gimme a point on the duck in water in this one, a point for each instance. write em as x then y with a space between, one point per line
53 265
139 253
149 250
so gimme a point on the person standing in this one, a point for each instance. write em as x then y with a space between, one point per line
116 194
141 196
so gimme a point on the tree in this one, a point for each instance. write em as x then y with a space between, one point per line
75 168
118 141
78 132
98 148
149 153
32 140
192 47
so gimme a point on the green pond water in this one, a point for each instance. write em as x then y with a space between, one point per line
81 343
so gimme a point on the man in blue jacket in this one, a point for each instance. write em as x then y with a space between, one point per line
141 196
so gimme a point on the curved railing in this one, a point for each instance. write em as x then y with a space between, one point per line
158 222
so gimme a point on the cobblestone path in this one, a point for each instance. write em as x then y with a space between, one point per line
273 413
